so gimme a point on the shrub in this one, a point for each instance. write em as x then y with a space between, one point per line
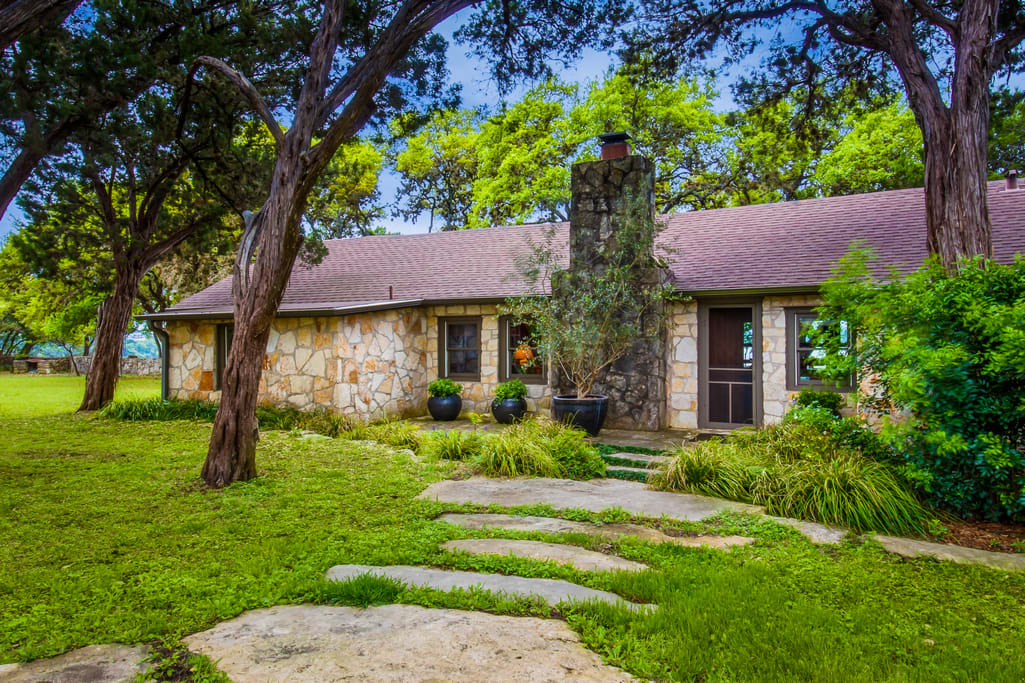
798 469
946 349
830 400
514 388
540 448
451 445
440 388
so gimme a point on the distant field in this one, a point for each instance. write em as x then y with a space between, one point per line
28 395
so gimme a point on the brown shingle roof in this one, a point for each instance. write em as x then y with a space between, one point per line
782 246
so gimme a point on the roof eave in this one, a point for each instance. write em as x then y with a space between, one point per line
305 312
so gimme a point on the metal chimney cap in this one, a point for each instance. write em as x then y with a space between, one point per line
613 138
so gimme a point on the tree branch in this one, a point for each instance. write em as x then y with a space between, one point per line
936 18
248 90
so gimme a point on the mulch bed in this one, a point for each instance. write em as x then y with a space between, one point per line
994 536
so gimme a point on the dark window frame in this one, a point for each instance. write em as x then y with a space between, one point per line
793 331
503 357
223 334
443 346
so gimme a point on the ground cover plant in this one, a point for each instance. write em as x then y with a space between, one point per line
110 536
816 465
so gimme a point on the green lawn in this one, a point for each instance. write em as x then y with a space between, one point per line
109 536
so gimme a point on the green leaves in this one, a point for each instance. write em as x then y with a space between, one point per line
945 349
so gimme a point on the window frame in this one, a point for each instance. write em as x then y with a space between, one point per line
793 349
223 334
503 357
443 323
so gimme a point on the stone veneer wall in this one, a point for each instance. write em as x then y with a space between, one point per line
477 395
370 364
682 365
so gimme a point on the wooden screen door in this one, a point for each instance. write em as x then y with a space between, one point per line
731 366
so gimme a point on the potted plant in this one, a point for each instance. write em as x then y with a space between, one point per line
509 405
444 403
596 311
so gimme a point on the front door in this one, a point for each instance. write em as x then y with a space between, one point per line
730 365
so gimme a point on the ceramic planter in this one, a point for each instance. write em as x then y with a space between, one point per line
509 410
446 408
588 413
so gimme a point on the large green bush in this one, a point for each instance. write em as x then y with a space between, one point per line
946 352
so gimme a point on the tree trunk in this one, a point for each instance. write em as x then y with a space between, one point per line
232 453
71 359
956 206
110 334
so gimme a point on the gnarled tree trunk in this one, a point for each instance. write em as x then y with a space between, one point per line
114 320
232 453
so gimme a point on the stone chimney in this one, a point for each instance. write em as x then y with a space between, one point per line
601 196
1012 180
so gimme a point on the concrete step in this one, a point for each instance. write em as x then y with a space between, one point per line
569 555
552 591
628 473
612 531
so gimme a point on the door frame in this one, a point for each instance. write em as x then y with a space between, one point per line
755 304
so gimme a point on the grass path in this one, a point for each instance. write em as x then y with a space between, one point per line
108 536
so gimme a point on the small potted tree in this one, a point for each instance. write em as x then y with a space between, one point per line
585 319
444 403
509 405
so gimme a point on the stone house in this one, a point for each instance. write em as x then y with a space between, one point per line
365 331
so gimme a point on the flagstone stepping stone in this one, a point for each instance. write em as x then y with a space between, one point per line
641 457
319 644
819 534
552 591
581 558
908 547
93 664
624 468
554 525
594 495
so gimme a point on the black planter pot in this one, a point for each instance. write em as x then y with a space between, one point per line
509 410
587 413
446 408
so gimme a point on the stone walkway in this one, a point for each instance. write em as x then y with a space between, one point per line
569 555
594 495
317 644
92 664
612 531
552 591
909 547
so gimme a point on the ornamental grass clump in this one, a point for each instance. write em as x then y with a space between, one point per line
157 409
453 444
539 448
798 469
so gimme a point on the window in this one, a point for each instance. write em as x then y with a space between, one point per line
459 346
519 357
804 360
222 343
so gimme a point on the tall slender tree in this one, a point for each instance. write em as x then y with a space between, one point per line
944 54
355 51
